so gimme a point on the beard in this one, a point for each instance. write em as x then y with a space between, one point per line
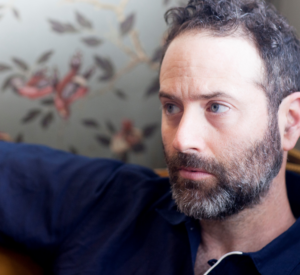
242 177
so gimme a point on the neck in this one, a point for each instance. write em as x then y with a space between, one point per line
253 228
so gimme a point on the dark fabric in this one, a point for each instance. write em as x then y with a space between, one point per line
77 215
236 264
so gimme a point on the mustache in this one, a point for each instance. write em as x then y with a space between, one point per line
192 161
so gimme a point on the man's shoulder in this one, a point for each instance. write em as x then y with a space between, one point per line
293 191
22 160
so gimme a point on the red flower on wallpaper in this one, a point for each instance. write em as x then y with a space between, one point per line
128 139
125 140
72 87
65 91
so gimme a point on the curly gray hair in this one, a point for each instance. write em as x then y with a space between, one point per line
274 38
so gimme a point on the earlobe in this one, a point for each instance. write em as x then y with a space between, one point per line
291 113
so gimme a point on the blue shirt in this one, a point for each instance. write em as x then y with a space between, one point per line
76 215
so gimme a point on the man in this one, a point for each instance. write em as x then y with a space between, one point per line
228 120
230 112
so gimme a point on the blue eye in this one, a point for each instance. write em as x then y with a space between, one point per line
218 108
172 109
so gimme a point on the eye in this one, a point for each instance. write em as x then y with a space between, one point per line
218 108
171 109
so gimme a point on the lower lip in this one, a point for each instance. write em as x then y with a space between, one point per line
193 175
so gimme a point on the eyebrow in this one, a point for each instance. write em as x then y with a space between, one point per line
196 97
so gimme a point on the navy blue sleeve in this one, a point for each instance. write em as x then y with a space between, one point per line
46 193
73 214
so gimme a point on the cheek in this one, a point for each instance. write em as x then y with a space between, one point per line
225 141
168 133
219 142
250 127
165 134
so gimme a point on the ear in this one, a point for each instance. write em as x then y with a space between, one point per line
289 120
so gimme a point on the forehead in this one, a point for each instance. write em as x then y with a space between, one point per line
199 62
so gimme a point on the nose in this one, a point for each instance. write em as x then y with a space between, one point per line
190 134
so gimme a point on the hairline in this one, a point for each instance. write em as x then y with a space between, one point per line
238 32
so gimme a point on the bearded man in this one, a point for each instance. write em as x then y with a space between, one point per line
229 116
229 83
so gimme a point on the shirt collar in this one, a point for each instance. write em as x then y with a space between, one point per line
282 253
168 210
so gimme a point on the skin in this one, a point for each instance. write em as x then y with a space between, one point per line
199 74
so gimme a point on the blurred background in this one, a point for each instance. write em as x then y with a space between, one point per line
82 75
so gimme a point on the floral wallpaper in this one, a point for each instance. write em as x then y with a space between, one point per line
82 76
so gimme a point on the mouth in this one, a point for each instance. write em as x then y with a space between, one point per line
193 173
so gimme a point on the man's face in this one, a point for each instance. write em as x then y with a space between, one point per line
222 147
